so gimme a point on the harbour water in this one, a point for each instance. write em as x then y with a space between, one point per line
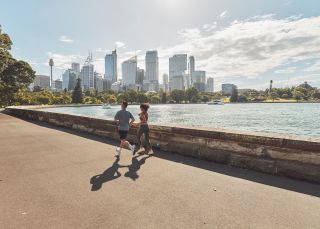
289 118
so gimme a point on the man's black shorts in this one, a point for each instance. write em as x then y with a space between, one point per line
123 134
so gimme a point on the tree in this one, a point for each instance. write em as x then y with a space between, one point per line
242 99
142 98
234 95
273 95
77 95
316 94
14 75
177 95
297 95
205 98
164 97
111 99
155 99
192 95
131 96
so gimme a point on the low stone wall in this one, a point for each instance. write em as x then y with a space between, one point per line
275 154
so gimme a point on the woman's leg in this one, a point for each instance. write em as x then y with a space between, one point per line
140 132
146 134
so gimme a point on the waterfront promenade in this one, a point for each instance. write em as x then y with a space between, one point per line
58 178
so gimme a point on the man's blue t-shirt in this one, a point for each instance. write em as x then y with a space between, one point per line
123 117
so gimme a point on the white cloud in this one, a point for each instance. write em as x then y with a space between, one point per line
119 44
102 50
223 14
249 48
289 70
65 39
62 61
314 67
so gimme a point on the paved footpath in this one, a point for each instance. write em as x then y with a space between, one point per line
58 178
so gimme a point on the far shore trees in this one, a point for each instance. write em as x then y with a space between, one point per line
234 95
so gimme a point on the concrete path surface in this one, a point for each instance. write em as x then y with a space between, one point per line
58 178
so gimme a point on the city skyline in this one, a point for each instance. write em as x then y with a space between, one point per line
246 45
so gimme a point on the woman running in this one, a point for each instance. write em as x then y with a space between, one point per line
144 128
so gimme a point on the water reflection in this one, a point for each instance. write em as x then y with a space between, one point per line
299 119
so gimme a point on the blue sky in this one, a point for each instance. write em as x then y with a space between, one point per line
245 42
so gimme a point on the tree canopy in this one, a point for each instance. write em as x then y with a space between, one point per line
15 74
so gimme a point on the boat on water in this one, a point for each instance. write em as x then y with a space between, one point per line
106 106
216 102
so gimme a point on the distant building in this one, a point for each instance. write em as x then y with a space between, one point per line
116 86
152 66
76 68
177 83
87 74
151 85
72 80
210 85
165 82
129 71
140 76
199 77
57 85
69 78
191 65
106 84
177 68
110 63
201 87
227 88
99 84
42 81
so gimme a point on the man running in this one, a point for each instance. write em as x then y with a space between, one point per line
124 120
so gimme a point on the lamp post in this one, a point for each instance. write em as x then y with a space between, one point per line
51 65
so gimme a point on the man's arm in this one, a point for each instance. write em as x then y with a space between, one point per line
116 118
132 119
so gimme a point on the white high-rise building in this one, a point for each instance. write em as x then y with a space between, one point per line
87 74
191 64
110 63
76 68
210 85
129 71
177 67
199 77
42 81
152 66
65 79
177 83
165 82
140 76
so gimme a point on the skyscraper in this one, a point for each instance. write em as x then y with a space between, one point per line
165 82
65 79
110 63
42 81
177 67
227 88
129 71
140 76
76 68
191 65
87 74
152 66
210 85
199 80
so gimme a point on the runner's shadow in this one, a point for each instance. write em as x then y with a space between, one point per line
109 174
135 166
